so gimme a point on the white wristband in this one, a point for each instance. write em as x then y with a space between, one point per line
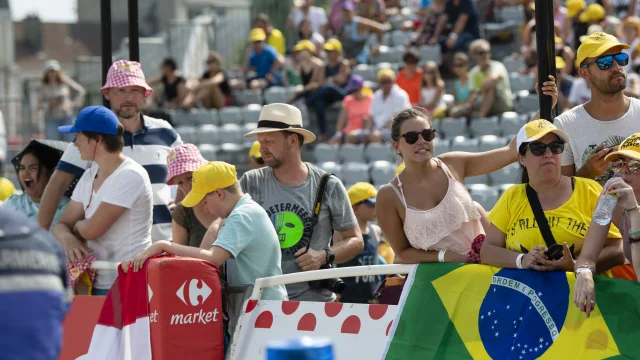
519 261
441 255
584 269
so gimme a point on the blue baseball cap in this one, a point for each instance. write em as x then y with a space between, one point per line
97 119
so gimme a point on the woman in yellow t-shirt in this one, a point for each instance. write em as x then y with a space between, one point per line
514 239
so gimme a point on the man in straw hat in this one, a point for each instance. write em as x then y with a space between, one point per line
287 190
247 235
147 141
599 125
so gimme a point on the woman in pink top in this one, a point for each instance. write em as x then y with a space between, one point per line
354 117
426 212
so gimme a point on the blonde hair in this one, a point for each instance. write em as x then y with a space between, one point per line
431 65
479 43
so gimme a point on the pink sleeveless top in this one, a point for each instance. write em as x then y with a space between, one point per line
454 224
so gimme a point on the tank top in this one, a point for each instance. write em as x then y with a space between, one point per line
427 95
361 289
453 225
306 76
462 91
331 71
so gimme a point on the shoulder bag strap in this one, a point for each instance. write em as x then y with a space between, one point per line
317 206
538 213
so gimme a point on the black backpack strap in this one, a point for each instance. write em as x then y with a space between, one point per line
538 213
317 206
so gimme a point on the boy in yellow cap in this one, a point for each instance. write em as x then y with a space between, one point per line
247 235
265 60
255 158
361 289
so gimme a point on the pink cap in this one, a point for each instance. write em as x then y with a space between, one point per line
182 159
123 73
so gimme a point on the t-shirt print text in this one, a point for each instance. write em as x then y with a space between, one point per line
293 226
573 225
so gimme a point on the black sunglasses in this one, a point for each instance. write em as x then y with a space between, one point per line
411 137
538 149
606 62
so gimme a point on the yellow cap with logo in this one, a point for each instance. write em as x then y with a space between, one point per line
399 169
597 44
630 147
536 130
362 191
6 189
213 176
257 34
254 152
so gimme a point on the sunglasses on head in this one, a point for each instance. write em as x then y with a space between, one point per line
618 164
606 62
411 137
538 148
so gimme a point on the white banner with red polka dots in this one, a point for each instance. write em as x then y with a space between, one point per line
358 331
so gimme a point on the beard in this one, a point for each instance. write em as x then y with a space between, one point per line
611 85
273 163
129 112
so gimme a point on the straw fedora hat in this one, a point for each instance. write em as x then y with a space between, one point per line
281 117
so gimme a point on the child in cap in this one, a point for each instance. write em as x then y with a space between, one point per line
255 158
361 289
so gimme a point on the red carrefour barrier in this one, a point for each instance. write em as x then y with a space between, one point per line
185 312
185 309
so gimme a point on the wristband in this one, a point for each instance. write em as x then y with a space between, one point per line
453 35
519 261
634 233
441 255
634 240
583 269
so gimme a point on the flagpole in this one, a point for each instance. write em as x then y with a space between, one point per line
545 41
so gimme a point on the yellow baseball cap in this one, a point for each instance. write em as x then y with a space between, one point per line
6 189
593 12
333 45
304 45
254 152
213 176
536 130
361 192
399 169
597 44
574 7
560 64
257 34
628 147
386 73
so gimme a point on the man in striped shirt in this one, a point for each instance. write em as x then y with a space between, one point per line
147 141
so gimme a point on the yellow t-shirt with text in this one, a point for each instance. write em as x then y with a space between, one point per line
569 223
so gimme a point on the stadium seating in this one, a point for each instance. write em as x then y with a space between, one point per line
379 152
326 153
485 195
521 82
430 53
461 143
208 151
208 134
513 64
441 146
251 113
189 134
510 174
511 123
529 103
451 127
229 115
246 97
367 72
332 167
485 126
275 94
481 179
230 133
491 142
355 172
352 153
382 172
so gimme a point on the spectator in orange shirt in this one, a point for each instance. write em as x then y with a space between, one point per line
410 78
354 117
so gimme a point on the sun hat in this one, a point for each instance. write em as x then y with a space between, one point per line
212 176
536 130
254 152
182 159
281 117
257 34
123 73
361 192
629 147
304 45
97 119
49 153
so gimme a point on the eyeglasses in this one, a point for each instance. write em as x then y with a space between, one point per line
618 164
538 149
411 137
606 62
460 65
481 52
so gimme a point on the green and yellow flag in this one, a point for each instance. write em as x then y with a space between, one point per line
454 311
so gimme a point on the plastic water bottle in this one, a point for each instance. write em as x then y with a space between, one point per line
303 348
606 204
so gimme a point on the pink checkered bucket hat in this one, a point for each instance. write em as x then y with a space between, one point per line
182 159
123 73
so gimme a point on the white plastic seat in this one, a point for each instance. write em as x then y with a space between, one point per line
230 153
441 146
229 115
485 195
491 142
251 113
189 134
230 133
206 117
454 127
367 72
510 174
513 64
331 167
378 152
521 82
382 172
430 53
326 153
275 94
208 134
461 143
530 103
355 172
485 126
208 151
511 123
248 96
481 179
352 153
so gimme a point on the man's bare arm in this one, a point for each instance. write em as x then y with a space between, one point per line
58 184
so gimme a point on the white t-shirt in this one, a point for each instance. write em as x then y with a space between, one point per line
580 92
587 133
317 17
129 187
383 109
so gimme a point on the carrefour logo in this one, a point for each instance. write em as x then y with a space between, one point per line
194 292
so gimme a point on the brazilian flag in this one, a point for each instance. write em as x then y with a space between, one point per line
454 311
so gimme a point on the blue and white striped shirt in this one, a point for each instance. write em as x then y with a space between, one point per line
149 147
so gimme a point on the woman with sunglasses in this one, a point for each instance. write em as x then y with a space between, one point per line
425 211
515 238
626 162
